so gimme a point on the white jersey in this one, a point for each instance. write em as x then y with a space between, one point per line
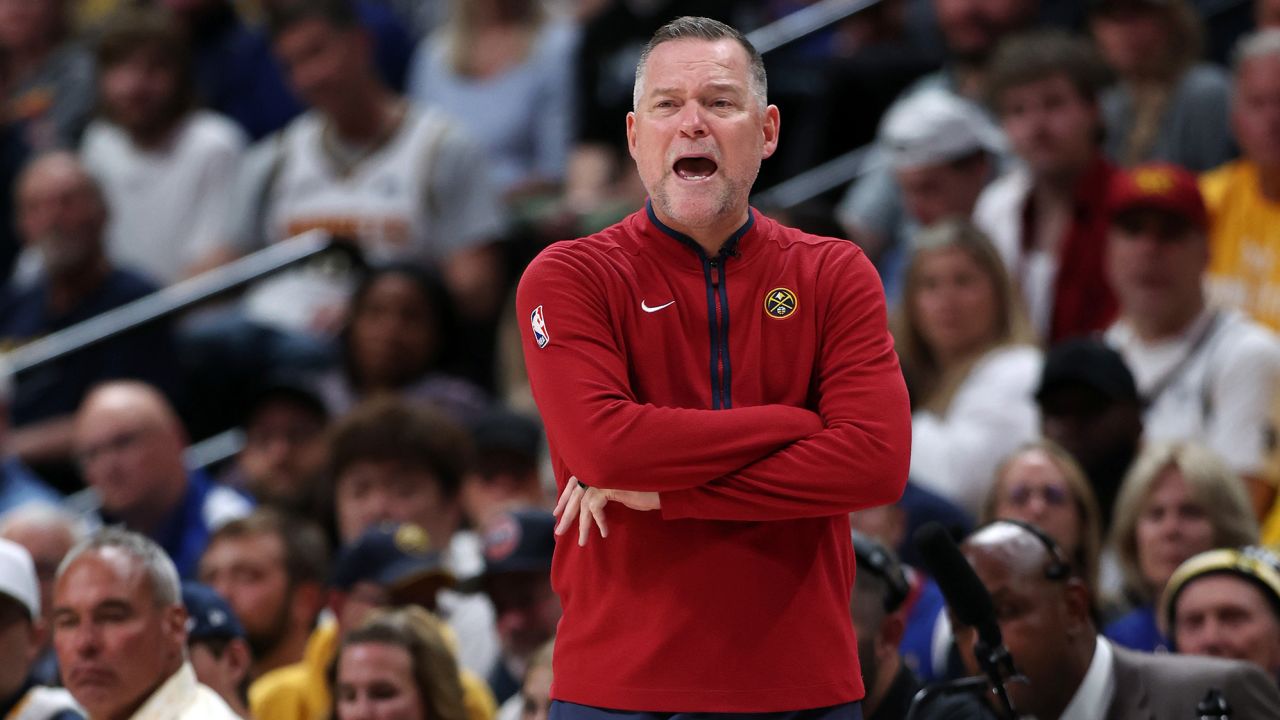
1212 383
171 205
420 196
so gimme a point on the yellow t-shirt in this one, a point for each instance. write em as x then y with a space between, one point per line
301 691
1244 242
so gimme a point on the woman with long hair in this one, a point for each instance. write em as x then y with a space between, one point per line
397 666
514 56
1041 484
1179 499
968 360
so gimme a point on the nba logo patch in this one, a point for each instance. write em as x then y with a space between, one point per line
539 327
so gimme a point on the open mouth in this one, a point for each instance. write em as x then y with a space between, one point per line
695 168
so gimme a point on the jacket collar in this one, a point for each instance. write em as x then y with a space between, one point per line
677 246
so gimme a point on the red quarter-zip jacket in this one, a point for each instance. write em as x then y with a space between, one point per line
759 393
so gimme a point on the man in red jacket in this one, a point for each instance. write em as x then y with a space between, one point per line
747 442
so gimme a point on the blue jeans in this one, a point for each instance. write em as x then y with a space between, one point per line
570 711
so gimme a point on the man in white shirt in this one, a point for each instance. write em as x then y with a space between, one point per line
1044 611
120 633
1202 373
942 151
404 182
167 170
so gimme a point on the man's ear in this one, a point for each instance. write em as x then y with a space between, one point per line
772 126
631 135
892 629
239 659
175 624
1078 601
39 636
307 600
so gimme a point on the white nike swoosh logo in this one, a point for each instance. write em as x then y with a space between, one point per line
646 308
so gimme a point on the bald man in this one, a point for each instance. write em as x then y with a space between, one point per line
61 217
1044 612
129 444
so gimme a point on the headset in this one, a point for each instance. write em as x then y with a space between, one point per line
873 556
1059 567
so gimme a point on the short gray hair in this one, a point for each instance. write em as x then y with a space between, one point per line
1259 44
701 28
162 575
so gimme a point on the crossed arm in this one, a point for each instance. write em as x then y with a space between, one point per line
768 462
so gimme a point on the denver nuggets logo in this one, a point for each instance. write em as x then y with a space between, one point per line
539 327
780 303
412 540
1153 181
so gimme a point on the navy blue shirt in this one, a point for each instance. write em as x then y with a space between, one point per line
56 389
1137 630
184 534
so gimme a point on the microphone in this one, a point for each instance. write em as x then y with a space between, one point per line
966 595
971 604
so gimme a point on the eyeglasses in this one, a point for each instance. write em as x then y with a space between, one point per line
1053 495
114 444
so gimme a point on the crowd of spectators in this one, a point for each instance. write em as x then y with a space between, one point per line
1074 208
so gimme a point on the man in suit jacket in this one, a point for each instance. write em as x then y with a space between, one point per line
1043 609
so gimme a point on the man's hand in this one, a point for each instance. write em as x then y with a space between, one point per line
578 497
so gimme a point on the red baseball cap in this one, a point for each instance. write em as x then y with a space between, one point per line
1158 186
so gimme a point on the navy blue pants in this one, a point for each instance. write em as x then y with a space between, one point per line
570 711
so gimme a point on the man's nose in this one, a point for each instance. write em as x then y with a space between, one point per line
692 122
85 640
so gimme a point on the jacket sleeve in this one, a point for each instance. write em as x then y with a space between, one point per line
860 458
606 436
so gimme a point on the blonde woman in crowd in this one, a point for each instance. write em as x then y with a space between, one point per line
513 55
970 366
1179 499
1041 484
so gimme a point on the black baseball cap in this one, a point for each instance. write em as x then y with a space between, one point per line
502 430
517 541
279 387
1090 362
875 558
395 556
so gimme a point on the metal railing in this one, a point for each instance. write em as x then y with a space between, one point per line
175 299
815 181
837 171
804 22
